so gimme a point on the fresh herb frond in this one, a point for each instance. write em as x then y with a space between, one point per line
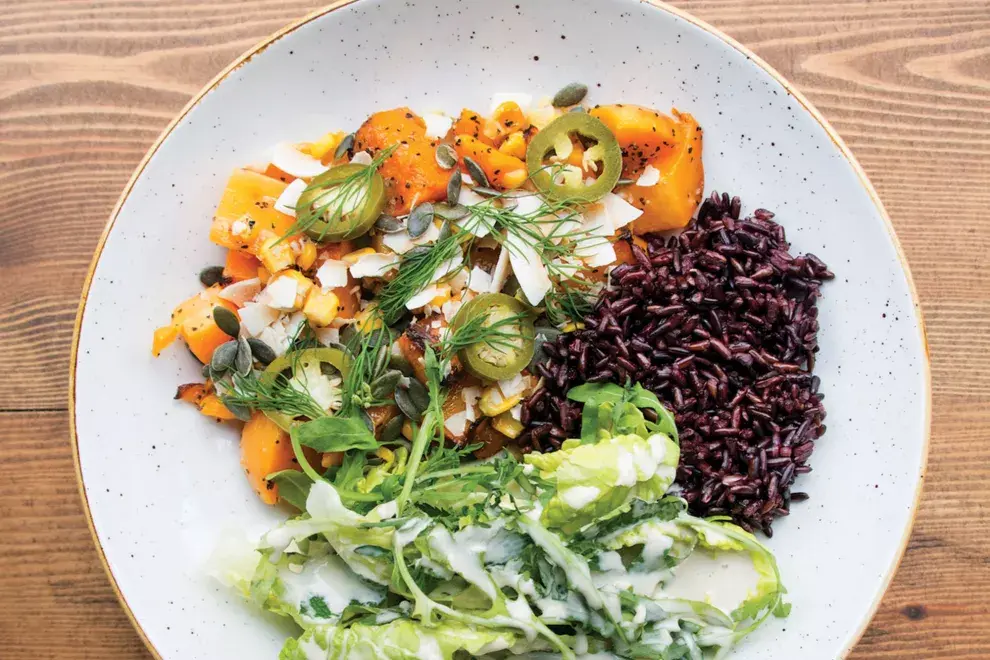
277 395
329 201
366 364
416 271
501 334
566 304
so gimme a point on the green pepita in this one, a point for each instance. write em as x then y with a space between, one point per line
569 95
486 191
419 394
445 231
344 147
388 224
226 320
262 352
543 335
476 172
446 156
448 212
384 386
243 361
223 357
405 402
420 219
392 429
242 413
454 188
366 419
211 275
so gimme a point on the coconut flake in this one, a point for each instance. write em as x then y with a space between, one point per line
437 124
290 160
471 395
501 272
400 242
286 202
280 293
620 212
512 386
361 158
423 297
528 269
649 177
479 281
255 317
327 336
456 423
241 292
332 274
374 265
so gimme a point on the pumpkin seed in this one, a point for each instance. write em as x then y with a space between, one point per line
542 335
569 95
448 212
366 418
388 224
420 219
243 361
446 157
405 402
227 321
445 231
242 413
392 429
419 394
262 352
348 334
383 386
454 187
485 190
344 147
223 358
475 171
416 252
382 358
207 372
211 275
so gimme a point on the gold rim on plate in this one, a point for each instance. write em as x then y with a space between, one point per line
659 4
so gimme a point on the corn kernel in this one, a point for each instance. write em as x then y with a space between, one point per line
507 425
273 254
326 144
407 430
332 458
514 145
320 307
367 320
307 256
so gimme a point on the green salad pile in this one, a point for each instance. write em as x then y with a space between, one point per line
577 553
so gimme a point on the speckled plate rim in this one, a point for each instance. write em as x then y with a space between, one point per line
658 4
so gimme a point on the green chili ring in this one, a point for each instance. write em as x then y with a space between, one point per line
316 199
585 126
492 362
332 356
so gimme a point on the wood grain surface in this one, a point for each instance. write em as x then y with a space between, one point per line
87 85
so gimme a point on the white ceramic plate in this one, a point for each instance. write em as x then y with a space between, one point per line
162 483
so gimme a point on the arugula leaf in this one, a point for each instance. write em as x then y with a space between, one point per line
334 434
293 487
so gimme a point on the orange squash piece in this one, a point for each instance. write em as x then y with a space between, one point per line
643 134
192 393
246 209
412 175
454 403
503 171
241 266
212 406
413 354
193 321
265 448
276 173
470 123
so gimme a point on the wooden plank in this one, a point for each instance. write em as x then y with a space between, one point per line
86 85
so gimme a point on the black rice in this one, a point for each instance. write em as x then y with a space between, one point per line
721 323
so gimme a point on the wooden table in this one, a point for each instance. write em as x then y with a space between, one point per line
86 86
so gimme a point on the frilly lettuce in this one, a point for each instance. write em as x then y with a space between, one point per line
596 481
398 640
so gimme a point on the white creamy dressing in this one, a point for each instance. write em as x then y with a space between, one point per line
627 470
429 648
724 580
312 650
328 578
578 497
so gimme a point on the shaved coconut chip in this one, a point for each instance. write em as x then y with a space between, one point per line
595 247
400 242
280 293
471 396
327 336
459 281
290 160
649 177
450 308
512 386
447 267
241 292
468 197
286 202
527 204
255 317
361 158
423 297
516 412
479 281
542 116
456 423
620 212
437 124
501 272
528 269
332 274
374 265
524 101
602 253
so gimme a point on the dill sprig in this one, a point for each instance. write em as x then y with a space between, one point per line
276 395
416 270
367 363
349 193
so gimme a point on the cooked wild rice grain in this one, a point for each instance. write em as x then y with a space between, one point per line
721 323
